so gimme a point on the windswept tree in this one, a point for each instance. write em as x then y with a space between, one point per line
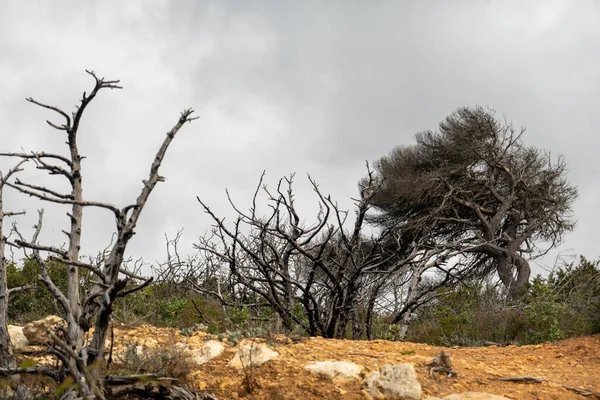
475 187
81 360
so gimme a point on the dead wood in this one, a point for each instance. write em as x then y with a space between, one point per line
533 379
441 364
111 280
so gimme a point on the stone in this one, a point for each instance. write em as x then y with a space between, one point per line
393 382
210 350
151 343
200 327
130 352
17 338
36 333
252 355
335 369
470 396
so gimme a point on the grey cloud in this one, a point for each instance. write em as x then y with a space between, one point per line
307 87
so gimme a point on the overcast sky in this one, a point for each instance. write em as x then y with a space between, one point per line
308 87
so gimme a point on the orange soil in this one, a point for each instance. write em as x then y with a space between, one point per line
573 362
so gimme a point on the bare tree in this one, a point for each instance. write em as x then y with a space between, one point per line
201 273
111 279
315 276
476 187
6 352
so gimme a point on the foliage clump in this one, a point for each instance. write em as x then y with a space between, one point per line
563 305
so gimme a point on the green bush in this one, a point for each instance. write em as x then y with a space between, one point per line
467 316
169 312
566 304
159 305
578 286
168 305
382 329
39 302
239 315
544 313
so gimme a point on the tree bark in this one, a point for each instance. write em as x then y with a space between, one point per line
507 267
6 351
74 331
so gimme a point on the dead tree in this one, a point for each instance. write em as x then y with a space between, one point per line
315 275
6 352
112 280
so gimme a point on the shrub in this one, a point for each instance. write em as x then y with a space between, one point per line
238 315
39 302
566 304
467 316
167 360
169 312
544 313
167 305
578 286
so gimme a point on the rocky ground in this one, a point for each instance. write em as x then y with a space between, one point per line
284 369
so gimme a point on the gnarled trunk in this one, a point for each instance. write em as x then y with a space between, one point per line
514 272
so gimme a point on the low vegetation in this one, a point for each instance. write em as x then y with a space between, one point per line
563 305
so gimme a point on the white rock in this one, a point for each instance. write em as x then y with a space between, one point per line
200 327
393 382
17 337
123 353
35 331
335 369
210 350
252 355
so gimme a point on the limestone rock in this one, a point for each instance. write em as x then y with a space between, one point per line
210 350
393 382
335 369
150 343
17 338
470 396
256 354
122 353
200 327
35 331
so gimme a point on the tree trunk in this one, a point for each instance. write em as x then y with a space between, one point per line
405 324
523 275
357 327
516 285
340 331
369 321
74 331
6 353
